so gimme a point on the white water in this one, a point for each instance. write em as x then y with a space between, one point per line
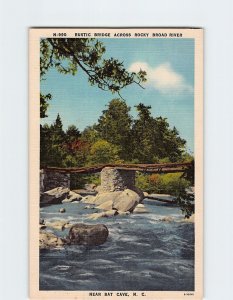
141 253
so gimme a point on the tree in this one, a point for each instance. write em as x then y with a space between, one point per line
44 104
153 139
77 149
103 152
169 143
90 134
143 135
68 55
72 134
52 152
114 126
57 126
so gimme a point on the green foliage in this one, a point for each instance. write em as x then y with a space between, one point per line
117 138
114 126
90 134
78 181
51 144
103 152
72 134
95 179
153 139
142 182
185 200
70 55
171 184
56 145
186 157
44 104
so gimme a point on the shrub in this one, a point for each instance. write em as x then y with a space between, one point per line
171 184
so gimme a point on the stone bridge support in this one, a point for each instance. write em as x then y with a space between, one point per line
50 179
113 179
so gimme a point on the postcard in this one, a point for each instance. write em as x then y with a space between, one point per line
116 163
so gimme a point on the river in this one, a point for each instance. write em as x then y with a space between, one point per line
142 253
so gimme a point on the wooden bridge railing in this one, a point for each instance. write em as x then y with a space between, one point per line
145 168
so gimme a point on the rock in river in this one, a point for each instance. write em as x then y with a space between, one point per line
72 197
120 200
107 197
106 205
88 199
41 222
140 209
104 214
89 235
49 240
54 196
59 225
127 200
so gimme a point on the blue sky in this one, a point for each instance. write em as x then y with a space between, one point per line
170 67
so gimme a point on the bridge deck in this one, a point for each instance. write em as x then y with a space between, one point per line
145 168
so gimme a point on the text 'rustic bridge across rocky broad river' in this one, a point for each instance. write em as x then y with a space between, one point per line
111 174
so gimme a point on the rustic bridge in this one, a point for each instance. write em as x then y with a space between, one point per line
113 176
145 168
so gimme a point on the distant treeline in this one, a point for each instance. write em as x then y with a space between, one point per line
116 138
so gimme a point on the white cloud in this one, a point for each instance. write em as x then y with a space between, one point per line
163 78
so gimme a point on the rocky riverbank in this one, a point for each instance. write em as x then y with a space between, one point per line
108 203
104 204
107 197
79 234
116 196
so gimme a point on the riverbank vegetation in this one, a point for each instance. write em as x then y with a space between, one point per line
170 184
117 137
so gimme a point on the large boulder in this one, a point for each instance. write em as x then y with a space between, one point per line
127 201
48 240
89 235
54 196
120 200
106 197
72 197
88 199
99 189
106 205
